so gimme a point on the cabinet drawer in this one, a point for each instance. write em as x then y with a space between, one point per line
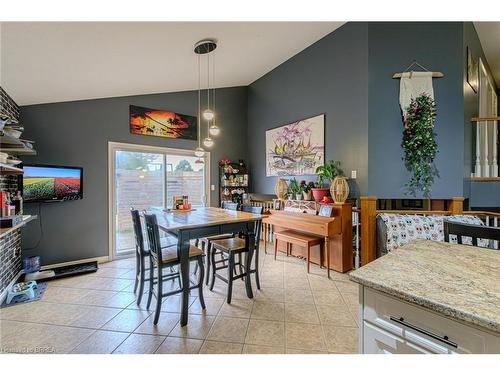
378 341
426 329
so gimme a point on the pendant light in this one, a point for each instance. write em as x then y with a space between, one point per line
213 130
208 114
201 48
199 151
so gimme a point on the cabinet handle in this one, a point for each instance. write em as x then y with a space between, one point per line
443 339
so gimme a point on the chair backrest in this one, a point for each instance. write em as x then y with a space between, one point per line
258 224
252 209
139 238
469 230
230 205
153 236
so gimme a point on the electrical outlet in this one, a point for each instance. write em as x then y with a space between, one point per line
353 174
212 187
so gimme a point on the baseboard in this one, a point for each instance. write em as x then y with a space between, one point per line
103 259
9 287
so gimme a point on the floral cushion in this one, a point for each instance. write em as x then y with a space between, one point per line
402 229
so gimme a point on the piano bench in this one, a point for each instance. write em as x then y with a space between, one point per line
291 238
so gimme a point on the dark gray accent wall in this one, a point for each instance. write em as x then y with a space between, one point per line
328 77
392 47
482 194
485 194
77 134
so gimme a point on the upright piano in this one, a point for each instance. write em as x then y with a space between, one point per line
336 232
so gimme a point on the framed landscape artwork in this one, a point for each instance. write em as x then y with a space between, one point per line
296 149
159 123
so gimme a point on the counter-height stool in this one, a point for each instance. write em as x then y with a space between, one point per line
233 249
142 252
161 258
206 242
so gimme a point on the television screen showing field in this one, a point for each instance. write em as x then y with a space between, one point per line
47 183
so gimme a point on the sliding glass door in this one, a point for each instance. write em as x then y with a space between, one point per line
143 177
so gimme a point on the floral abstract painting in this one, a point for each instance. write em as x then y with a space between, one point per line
159 123
296 149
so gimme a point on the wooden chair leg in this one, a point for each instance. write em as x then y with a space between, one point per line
240 266
200 282
264 228
321 255
257 280
308 258
212 257
327 250
159 292
137 270
207 259
275 248
142 271
151 279
230 276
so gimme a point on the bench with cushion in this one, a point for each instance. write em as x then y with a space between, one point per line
291 238
395 230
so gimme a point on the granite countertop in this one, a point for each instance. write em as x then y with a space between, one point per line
462 282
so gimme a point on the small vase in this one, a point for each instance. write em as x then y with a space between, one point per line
281 188
339 189
298 196
307 195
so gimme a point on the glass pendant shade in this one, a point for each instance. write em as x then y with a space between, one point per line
208 114
199 152
208 142
214 130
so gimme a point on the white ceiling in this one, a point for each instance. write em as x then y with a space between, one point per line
489 34
63 61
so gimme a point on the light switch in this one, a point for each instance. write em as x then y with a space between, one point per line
212 187
353 174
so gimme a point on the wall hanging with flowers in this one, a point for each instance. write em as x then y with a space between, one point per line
419 144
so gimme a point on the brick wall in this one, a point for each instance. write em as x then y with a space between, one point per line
10 245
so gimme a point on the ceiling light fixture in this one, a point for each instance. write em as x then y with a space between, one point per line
199 151
205 47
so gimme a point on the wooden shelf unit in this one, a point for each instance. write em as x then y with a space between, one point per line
226 186
7 169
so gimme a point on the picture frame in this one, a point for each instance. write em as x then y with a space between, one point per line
297 148
162 123
472 71
325 210
277 204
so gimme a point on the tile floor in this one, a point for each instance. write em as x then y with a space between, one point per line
96 313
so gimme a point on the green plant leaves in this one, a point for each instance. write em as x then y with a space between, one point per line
420 146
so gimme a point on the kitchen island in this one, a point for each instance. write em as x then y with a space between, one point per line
430 297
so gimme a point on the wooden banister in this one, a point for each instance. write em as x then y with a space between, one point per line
414 212
456 205
368 229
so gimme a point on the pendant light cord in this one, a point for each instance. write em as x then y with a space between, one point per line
213 83
199 102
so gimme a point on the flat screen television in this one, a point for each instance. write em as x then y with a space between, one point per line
51 183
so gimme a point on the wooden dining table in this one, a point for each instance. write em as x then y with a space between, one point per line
202 222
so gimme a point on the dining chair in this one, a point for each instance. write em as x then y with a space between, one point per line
233 250
470 230
161 258
141 252
206 242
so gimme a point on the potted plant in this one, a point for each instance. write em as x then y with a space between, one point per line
325 173
306 190
295 189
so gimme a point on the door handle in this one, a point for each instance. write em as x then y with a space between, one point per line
443 339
